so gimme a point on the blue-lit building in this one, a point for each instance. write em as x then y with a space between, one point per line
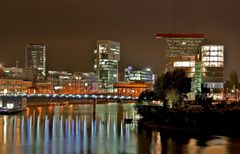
138 75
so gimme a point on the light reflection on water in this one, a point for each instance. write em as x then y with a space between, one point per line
78 129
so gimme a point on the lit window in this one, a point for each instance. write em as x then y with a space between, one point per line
184 64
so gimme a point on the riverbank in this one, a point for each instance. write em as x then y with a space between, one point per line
184 130
214 122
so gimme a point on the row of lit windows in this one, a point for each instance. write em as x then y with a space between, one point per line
214 85
182 48
108 60
212 48
184 64
180 40
108 67
213 64
137 75
213 53
205 59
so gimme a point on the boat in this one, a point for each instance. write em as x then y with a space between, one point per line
11 105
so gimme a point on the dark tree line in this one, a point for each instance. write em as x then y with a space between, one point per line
170 86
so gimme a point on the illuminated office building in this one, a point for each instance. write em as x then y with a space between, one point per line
183 52
138 75
58 79
203 63
14 81
35 60
213 69
107 57
88 80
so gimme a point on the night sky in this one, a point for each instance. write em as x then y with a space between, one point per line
70 29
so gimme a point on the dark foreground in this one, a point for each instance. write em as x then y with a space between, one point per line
85 129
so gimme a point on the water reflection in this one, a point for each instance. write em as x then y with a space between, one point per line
85 129
67 130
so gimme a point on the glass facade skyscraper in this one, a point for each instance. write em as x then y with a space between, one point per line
35 60
107 57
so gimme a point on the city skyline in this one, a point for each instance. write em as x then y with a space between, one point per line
73 33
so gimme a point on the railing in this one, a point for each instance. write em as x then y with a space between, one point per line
72 96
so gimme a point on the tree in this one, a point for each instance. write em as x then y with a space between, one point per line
233 76
172 97
146 95
232 83
172 86
227 86
203 99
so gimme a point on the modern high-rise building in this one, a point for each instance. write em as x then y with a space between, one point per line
183 51
35 60
107 57
203 63
212 60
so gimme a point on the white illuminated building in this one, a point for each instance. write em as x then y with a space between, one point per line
213 69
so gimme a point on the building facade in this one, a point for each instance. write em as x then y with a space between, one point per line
106 61
212 60
58 80
204 64
138 75
35 60
183 51
14 86
132 89
87 82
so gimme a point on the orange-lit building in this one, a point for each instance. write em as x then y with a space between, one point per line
14 86
132 88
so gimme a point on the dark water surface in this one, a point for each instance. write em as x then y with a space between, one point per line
81 129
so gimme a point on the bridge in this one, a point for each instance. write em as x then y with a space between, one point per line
73 96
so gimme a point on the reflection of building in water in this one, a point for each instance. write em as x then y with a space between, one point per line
37 131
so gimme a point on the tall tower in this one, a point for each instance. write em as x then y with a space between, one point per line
35 60
107 57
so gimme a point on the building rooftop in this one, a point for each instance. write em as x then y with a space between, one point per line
169 35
